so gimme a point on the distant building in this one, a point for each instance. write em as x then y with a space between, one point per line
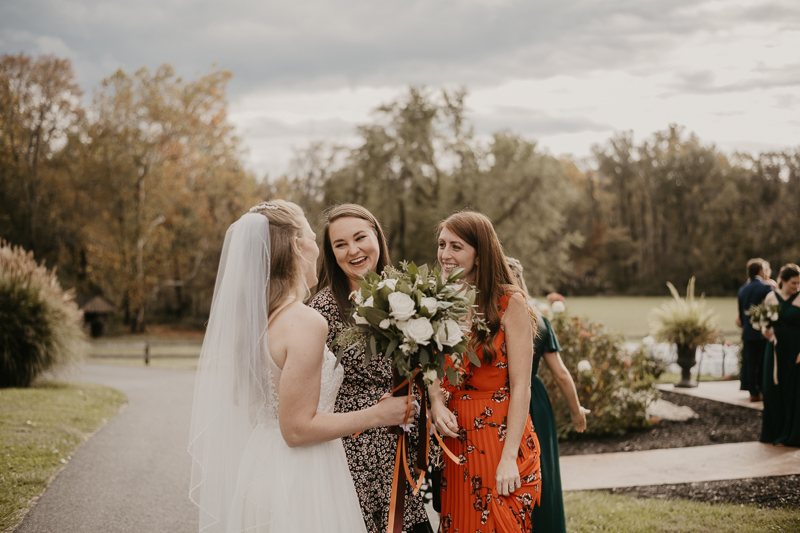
95 309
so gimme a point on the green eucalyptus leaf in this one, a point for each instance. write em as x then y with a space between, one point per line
473 358
424 356
375 316
392 346
452 375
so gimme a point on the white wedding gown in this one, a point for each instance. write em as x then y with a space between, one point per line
304 489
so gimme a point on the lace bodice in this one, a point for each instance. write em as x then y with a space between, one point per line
332 377
330 381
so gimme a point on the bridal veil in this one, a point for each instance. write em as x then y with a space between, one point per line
232 391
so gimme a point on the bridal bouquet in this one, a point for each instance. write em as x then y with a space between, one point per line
414 316
763 315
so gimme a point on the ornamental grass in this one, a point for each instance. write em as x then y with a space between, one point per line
684 321
40 323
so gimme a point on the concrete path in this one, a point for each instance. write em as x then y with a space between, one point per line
679 465
133 475
721 391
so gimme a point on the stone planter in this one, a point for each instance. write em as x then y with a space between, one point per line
686 360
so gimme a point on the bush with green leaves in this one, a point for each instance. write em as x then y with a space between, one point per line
614 384
40 324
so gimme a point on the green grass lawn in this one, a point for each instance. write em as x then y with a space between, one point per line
628 315
40 427
600 511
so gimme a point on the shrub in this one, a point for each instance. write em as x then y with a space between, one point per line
614 384
40 324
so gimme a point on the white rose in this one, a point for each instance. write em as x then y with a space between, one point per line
419 330
401 305
449 333
558 306
360 319
584 366
648 341
429 376
429 303
385 323
774 317
391 283
368 302
356 297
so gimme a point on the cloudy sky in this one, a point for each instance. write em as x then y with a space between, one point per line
568 73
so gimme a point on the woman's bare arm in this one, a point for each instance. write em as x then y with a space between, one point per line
302 335
564 381
519 345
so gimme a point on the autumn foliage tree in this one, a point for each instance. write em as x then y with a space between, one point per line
40 111
167 177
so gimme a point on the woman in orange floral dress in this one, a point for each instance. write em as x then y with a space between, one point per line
485 422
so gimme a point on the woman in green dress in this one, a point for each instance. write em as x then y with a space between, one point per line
781 417
549 515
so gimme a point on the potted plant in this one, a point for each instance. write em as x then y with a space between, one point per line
686 322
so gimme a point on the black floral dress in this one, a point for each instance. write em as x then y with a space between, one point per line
371 454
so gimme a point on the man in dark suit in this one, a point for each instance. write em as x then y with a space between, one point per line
753 343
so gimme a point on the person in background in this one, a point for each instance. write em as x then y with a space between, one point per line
753 342
780 421
549 516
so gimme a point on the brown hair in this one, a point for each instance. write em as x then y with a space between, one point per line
754 266
286 262
788 271
493 278
330 274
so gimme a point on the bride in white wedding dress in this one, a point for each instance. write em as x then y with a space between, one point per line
265 443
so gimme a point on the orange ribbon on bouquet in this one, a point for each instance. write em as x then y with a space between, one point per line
403 473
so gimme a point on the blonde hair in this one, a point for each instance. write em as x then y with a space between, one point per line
286 277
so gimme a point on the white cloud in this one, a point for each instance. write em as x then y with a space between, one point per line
567 73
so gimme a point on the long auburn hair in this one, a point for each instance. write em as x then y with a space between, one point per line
286 262
330 274
493 278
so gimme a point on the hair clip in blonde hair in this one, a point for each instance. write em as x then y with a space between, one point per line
262 206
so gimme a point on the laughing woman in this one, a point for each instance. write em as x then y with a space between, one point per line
353 245
497 480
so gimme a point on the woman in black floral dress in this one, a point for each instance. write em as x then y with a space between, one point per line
354 244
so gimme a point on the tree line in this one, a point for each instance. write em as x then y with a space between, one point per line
130 195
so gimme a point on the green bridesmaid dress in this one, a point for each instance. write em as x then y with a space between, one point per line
549 515
781 417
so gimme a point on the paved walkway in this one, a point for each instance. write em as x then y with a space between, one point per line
679 465
721 391
683 465
133 475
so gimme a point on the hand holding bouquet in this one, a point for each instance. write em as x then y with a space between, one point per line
763 315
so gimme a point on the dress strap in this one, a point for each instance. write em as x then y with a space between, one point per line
792 297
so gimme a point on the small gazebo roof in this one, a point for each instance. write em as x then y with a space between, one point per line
96 304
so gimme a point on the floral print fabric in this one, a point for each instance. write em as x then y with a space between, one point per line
470 502
371 454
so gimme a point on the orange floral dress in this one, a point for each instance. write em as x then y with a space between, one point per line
470 502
